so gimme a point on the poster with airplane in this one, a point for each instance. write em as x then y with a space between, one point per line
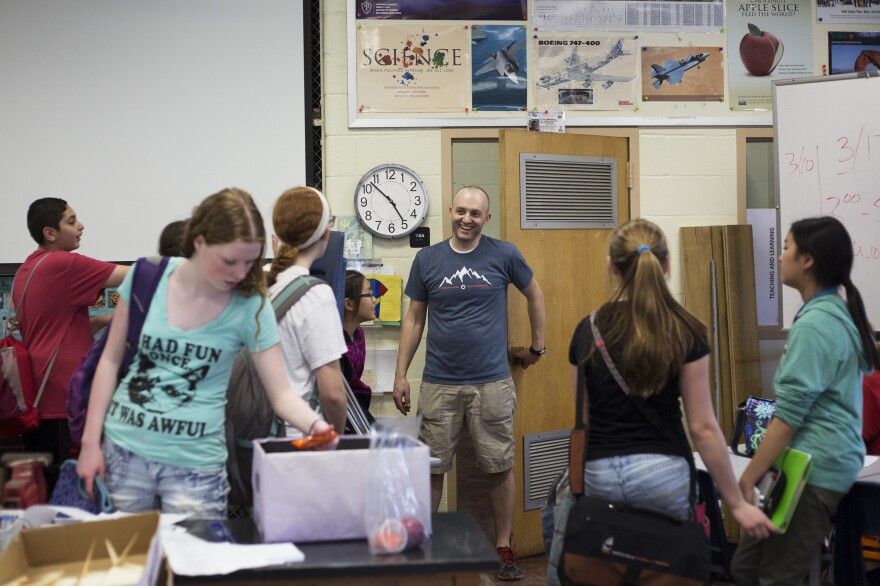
684 74
595 72
500 75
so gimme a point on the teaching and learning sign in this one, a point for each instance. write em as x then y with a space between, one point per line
766 41
585 72
412 67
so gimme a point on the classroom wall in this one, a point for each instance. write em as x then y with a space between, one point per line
688 175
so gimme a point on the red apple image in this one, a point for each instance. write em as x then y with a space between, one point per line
760 51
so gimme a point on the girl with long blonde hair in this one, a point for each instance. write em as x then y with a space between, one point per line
661 352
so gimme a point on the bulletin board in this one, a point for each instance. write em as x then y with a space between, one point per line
413 63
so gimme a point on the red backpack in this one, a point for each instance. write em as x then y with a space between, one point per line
18 412
18 396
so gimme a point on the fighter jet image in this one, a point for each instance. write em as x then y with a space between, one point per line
575 70
673 71
504 61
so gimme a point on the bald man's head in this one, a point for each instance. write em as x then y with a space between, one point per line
469 213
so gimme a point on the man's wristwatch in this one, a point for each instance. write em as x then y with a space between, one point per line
538 352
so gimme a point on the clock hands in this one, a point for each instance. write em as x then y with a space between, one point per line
391 201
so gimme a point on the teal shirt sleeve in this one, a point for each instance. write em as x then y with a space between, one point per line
807 369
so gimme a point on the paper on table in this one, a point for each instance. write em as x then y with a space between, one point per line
190 556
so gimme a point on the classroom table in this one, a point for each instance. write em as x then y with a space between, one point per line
456 553
857 514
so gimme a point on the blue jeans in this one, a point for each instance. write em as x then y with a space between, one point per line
136 484
653 480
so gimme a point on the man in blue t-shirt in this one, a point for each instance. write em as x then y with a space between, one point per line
464 281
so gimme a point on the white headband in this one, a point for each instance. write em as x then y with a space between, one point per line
322 225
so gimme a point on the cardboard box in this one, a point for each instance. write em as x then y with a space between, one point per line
321 495
36 555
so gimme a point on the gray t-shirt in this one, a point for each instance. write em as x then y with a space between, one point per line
467 308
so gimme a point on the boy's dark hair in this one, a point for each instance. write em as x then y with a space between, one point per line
45 213
171 238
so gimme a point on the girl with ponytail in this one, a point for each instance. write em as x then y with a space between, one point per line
311 331
661 352
818 387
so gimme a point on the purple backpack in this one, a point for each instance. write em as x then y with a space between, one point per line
147 273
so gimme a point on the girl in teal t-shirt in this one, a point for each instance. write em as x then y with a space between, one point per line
163 423
819 399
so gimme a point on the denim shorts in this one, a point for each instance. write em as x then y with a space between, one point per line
136 484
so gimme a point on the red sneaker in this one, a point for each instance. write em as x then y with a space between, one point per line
509 565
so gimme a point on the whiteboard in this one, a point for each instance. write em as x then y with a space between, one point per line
827 137
135 111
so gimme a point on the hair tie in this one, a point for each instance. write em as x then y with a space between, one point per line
322 225
643 248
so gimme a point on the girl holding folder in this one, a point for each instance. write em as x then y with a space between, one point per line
818 388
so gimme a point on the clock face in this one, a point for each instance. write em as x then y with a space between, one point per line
391 201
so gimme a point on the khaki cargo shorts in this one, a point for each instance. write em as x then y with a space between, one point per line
488 409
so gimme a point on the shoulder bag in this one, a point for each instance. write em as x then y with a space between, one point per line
611 544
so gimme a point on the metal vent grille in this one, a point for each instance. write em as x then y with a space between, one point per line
546 456
567 192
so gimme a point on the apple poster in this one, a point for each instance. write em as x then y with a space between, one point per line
766 41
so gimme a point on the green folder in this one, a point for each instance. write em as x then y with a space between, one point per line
797 466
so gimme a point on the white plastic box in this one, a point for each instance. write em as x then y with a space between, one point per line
321 495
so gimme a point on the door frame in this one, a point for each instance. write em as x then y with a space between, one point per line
450 135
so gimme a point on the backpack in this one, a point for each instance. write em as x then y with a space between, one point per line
19 397
147 274
249 414
18 412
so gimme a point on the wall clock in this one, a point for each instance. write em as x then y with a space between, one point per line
391 200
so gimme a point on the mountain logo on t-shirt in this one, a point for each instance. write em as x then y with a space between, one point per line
464 278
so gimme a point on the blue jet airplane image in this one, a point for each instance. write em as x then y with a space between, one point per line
504 61
575 70
673 71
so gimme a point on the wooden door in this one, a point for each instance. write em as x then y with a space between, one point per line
570 266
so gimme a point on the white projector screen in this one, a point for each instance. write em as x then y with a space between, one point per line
134 111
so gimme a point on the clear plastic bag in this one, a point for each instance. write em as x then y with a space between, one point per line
391 515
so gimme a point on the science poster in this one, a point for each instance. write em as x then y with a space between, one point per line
585 72
682 74
766 41
412 68
499 68
441 9
851 52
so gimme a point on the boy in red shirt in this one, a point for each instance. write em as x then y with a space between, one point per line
54 316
